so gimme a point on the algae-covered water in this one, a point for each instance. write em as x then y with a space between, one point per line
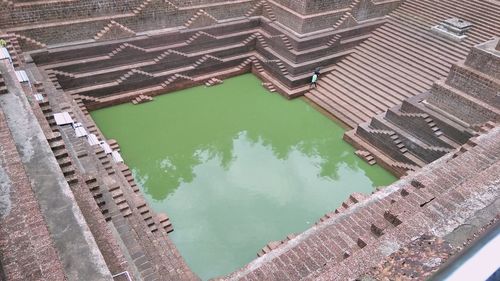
236 167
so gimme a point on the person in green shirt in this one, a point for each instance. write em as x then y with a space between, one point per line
314 81
3 43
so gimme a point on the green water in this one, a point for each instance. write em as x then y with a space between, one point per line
236 167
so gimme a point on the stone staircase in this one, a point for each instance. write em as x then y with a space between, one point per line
442 120
261 8
146 3
199 34
14 50
3 87
31 41
334 41
274 245
367 156
200 19
213 82
97 194
141 99
133 73
113 30
269 86
402 58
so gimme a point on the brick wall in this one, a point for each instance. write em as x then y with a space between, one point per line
486 58
461 107
475 83
48 23
306 7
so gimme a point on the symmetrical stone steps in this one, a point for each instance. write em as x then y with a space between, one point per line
144 4
141 99
201 16
335 39
198 34
344 21
438 122
213 81
31 41
264 8
401 59
287 58
390 143
109 29
164 222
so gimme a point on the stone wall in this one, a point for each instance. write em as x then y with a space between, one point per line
155 59
307 7
37 24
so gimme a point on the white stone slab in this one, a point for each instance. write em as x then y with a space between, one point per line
80 132
63 118
22 76
106 147
4 54
92 139
117 157
39 97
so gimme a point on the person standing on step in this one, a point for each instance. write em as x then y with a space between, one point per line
314 81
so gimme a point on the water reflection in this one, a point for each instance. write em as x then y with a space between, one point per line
236 167
175 165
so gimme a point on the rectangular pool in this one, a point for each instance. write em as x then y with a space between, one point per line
236 167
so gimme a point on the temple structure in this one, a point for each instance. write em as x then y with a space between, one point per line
417 82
